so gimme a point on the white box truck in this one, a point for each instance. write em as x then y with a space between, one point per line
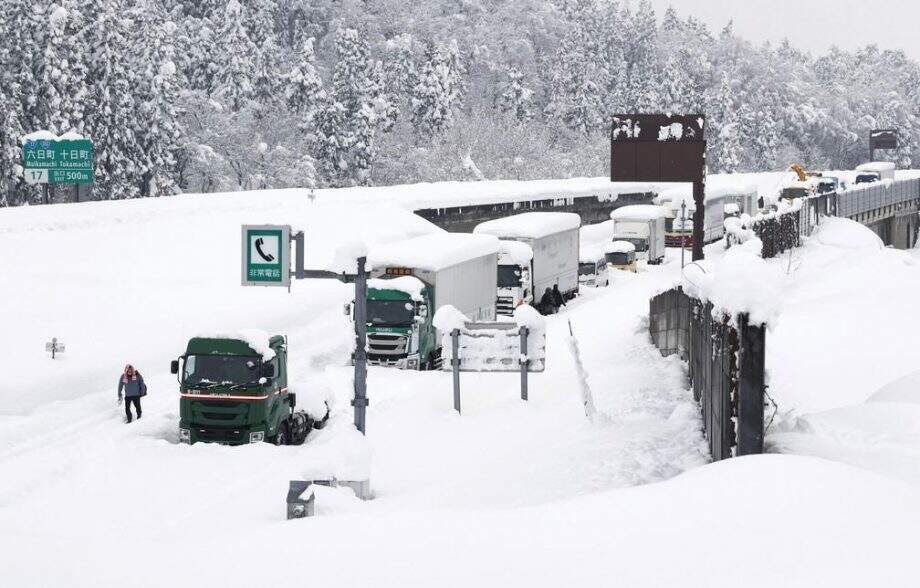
553 239
412 279
643 226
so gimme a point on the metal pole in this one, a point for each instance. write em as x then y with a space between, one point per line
455 362
360 400
699 218
524 363
299 256
76 192
683 227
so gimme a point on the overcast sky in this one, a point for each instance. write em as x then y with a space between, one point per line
813 25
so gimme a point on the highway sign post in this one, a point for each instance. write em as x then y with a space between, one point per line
662 148
882 139
57 161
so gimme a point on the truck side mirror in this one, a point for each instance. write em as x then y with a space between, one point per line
268 370
423 310
174 366
346 310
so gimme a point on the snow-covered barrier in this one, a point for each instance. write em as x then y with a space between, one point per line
726 360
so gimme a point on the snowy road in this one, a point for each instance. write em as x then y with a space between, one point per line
528 492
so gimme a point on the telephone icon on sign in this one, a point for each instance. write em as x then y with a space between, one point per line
260 242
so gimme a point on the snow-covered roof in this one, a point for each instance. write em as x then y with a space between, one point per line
620 247
592 253
639 212
530 225
515 251
719 191
876 166
732 208
408 284
257 339
433 252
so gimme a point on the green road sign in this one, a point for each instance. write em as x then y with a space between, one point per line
47 161
266 251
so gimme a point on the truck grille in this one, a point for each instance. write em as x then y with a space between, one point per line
386 346
504 305
232 436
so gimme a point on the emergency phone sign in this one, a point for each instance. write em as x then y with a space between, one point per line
266 251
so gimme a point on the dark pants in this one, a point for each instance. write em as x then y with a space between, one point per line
136 400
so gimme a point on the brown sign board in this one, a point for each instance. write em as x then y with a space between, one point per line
657 148
883 139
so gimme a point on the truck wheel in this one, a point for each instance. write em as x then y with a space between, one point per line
281 437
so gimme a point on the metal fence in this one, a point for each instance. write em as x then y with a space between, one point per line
726 357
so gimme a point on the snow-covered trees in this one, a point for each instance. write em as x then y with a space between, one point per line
438 89
517 98
235 59
346 124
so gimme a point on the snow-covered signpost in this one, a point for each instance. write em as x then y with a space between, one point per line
48 159
518 346
54 347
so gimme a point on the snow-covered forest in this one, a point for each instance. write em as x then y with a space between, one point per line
220 95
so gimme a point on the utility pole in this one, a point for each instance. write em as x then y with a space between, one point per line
683 228
699 217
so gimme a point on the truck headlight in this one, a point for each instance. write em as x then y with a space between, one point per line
257 437
185 436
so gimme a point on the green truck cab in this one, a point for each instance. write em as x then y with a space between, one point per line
399 327
232 394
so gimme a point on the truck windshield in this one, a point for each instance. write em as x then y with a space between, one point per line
617 258
221 370
587 269
390 313
509 276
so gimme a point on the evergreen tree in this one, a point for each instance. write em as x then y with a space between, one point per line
235 60
63 84
112 123
304 87
157 128
345 129
516 98
438 90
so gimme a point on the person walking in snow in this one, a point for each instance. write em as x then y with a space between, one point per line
546 306
558 299
132 384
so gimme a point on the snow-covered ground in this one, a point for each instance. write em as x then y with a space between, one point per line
507 493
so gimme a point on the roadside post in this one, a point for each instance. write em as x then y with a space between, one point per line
265 261
683 227
54 347
455 365
524 361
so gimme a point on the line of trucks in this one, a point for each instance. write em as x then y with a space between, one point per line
234 388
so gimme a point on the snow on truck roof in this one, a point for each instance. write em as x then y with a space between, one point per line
591 253
408 284
619 247
434 252
639 212
876 166
520 253
530 225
